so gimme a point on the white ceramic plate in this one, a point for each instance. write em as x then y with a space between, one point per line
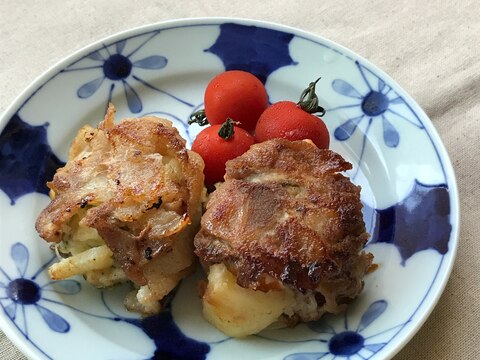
409 192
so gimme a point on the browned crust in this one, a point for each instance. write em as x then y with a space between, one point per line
120 175
284 211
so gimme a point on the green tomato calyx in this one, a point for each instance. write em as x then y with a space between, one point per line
309 100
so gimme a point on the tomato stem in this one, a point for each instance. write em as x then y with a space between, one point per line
198 117
309 100
227 129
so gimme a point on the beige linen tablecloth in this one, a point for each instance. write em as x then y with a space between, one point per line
430 47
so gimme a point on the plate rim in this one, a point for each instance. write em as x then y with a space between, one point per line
455 217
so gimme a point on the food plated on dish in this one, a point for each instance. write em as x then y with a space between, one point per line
283 235
282 239
125 207
410 207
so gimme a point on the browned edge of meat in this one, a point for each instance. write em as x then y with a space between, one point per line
286 212
138 184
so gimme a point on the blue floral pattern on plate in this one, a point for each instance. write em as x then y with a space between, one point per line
419 222
254 49
135 67
21 141
118 68
379 103
348 342
22 294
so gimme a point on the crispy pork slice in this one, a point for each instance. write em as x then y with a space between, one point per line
126 206
285 227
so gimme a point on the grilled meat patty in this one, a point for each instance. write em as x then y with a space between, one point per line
135 188
285 220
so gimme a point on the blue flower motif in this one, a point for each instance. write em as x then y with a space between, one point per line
348 343
379 101
118 67
251 48
27 161
418 222
20 294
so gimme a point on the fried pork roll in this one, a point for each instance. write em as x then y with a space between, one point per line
126 207
282 239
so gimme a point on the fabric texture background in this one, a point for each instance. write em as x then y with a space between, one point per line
431 48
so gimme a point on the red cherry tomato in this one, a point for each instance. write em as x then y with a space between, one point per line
216 151
238 95
287 120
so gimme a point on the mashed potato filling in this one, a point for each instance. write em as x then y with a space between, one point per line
237 311
84 252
